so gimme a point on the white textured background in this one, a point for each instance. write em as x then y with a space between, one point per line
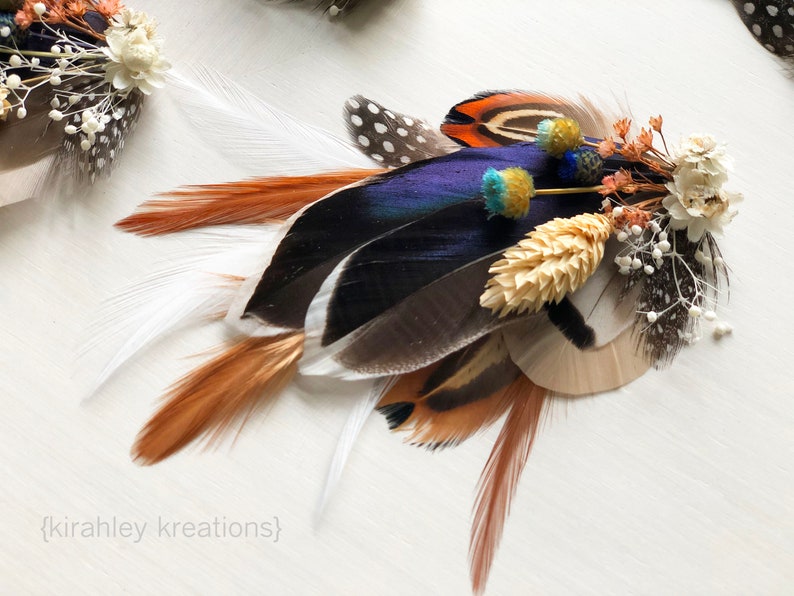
680 483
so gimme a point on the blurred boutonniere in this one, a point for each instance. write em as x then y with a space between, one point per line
73 77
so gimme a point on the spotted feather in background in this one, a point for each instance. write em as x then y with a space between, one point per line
332 7
87 166
392 139
771 22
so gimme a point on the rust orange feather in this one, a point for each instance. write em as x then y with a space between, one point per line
500 476
259 200
225 390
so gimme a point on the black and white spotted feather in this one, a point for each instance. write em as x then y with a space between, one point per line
333 8
771 22
84 167
392 139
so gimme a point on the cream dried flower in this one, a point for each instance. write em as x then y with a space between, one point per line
5 105
703 154
134 53
697 204
554 259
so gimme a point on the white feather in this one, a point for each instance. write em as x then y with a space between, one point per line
248 130
355 422
26 182
318 360
192 290
601 302
547 357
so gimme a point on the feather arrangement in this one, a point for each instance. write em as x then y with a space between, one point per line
546 252
772 24
73 78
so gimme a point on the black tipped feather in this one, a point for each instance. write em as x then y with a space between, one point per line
396 414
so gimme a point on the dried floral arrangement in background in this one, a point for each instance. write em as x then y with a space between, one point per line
334 8
531 248
772 24
73 77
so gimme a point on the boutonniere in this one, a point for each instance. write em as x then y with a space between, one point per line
529 248
73 77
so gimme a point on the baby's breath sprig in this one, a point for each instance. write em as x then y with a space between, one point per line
99 54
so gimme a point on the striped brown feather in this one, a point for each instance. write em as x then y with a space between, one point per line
445 403
497 118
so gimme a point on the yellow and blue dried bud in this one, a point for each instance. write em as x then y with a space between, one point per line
558 135
508 192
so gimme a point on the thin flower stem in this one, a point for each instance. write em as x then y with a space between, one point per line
569 191
666 150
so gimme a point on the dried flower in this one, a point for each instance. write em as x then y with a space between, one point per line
606 148
622 128
656 123
508 192
583 166
558 135
554 259
694 204
633 151
134 53
108 8
645 139
25 16
76 8
702 153
5 105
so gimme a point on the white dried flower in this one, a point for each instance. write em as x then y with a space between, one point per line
697 201
5 105
698 206
134 53
703 154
